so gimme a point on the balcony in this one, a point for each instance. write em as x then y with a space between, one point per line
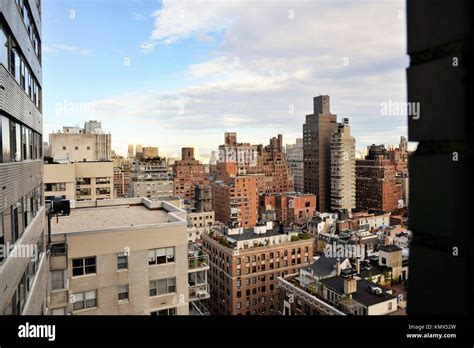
198 260
198 292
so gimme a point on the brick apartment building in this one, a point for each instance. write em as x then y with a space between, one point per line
288 207
272 162
376 183
235 201
188 172
245 265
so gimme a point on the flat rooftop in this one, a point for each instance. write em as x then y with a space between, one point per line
249 234
108 217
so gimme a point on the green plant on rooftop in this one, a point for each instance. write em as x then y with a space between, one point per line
301 236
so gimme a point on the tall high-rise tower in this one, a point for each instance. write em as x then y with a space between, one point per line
317 134
23 280
343 176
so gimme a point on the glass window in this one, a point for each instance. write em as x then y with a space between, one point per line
57 280
83 266
160 256
5 155
3 48
15 64
162 286
122 261
86 299
169 311
122 292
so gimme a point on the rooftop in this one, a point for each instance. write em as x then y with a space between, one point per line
390 248
114 214
324 266
362 295
249 234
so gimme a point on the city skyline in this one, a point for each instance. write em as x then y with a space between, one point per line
182 77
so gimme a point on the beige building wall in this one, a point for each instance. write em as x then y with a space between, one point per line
105 245
60 180
152 189
80 147
80 180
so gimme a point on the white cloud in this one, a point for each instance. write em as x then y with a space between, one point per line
54 48
268 64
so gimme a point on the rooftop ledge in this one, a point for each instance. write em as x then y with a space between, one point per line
117 214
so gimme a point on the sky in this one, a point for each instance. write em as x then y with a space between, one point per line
180 73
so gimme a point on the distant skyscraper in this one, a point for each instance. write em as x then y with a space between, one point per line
294 153
138 151
317 135
343 185
403 144
130 151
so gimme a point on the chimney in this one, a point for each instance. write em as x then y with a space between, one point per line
350 286
358 265
338 267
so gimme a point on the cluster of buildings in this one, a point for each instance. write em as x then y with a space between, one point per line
306 228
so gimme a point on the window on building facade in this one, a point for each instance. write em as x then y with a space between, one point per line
168 311
122 293
58 281
83 266
83 300
161 256
122 261
162 286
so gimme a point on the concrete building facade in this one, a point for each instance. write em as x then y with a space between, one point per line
317 134
79 181
23 260
294 153
141 266
80 144
343 175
